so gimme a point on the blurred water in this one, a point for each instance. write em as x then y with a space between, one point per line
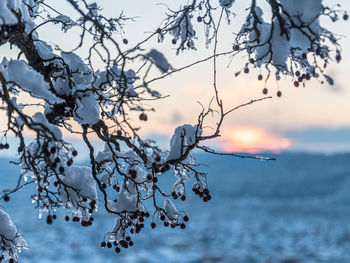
296 209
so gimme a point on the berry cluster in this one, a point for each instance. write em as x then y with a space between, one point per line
203 192
124 243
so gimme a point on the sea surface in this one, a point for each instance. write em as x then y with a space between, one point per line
293 210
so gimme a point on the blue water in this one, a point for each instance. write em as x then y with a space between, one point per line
296 209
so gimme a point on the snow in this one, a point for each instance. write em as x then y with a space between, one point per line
88 109
40 118
78 178
170 209
19 72
159 60
45 50
127 198
183 137
6 16
9 237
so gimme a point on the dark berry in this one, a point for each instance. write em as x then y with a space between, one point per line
53 150
131 243
260 77
54 217
6 198
49 220
117 250
296 84
69 162
182 226
143 116
206 191
125 41
155 179
173 41
66 218
141 219
186 218
183 198
246 70
57 159
162 217
279 93
1 146
6 146
297 73
153 225
304 56
172 225
103 244
74 153
119 133
55 184
199 19
235 47
109 244
166 224
61 170
252 60
345 17
338 58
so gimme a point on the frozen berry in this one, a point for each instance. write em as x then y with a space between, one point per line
183 198
153 225
186 218
103 244
182 226
109 244
117 250
66 218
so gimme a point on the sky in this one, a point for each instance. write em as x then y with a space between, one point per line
314 118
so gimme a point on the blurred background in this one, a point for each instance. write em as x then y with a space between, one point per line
292 210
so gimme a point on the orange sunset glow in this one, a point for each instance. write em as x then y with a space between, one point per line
252 140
